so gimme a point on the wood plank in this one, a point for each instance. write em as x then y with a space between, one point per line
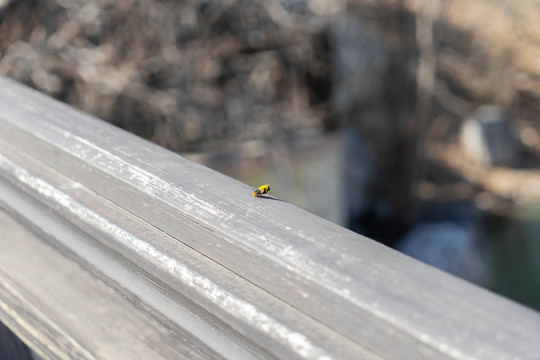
364 294
64 312
188 292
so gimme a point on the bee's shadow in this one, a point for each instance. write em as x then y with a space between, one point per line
268 197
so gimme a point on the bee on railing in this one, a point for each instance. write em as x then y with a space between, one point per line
263 189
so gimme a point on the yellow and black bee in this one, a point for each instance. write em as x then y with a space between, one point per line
263 189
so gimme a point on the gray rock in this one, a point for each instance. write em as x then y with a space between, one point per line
486 137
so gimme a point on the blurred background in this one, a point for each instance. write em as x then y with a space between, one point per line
413 122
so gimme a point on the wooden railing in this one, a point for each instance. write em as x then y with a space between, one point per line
202 269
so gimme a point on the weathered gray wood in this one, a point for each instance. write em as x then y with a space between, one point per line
199 282
247 277
66 313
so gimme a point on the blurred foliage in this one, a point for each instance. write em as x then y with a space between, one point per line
182 73
189 74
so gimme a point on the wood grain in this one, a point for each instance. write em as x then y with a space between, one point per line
252 277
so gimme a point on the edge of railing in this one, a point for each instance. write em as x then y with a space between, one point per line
242 277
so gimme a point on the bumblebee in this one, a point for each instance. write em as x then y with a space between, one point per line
263 189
